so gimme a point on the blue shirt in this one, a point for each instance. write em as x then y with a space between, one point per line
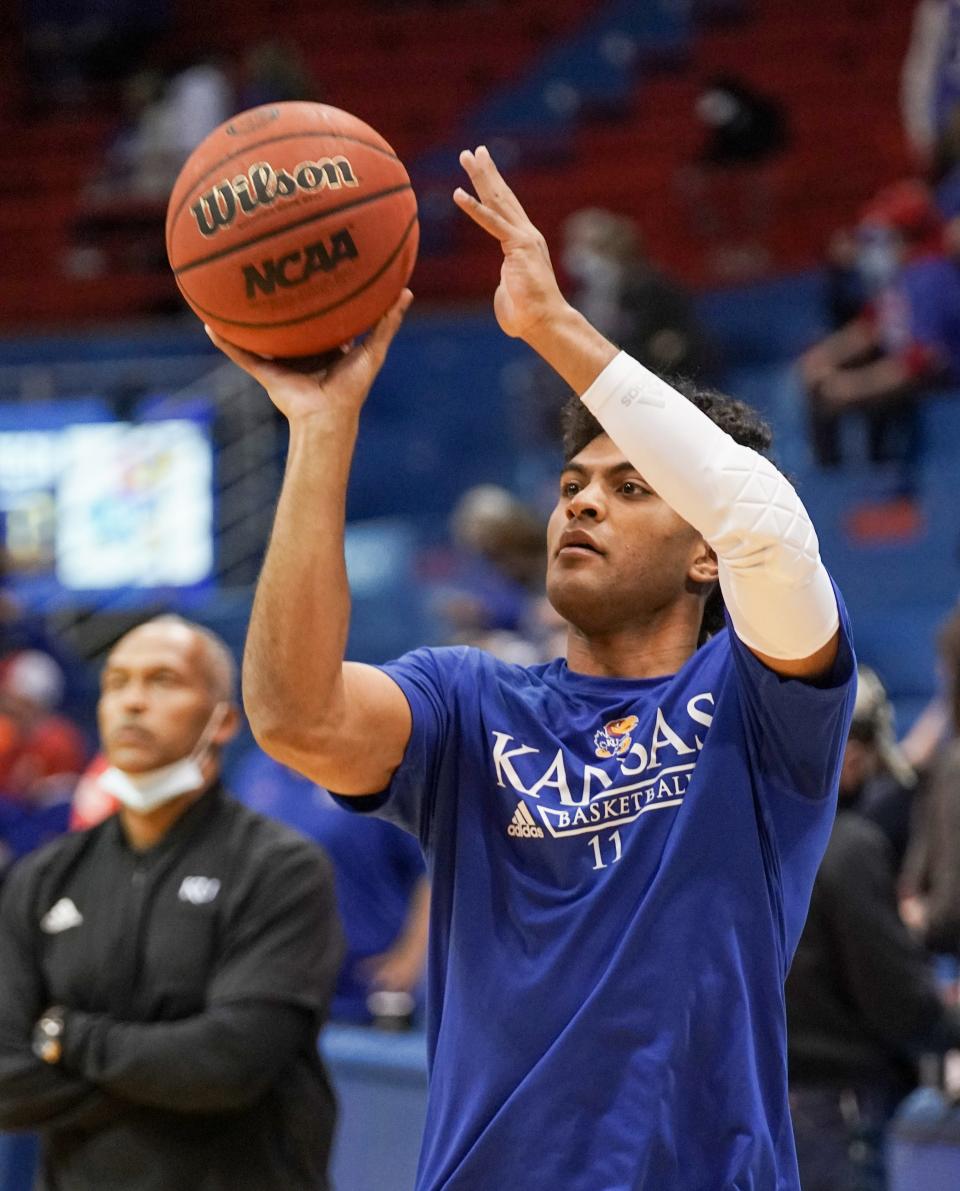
921 311
376 868
621 869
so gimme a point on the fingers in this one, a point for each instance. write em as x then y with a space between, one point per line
267 372
496 208
382 334
261 369
489 220
490 186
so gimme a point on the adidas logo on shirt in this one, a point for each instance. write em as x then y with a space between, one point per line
522 825
61 916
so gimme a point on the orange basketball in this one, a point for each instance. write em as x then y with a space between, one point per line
292 228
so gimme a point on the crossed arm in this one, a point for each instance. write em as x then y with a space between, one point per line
276 967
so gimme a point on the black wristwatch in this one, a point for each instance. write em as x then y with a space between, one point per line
48 1035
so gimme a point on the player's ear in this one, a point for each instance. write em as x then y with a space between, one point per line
703 565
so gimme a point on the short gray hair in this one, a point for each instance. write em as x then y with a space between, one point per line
219 665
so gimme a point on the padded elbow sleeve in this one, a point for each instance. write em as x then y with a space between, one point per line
778 594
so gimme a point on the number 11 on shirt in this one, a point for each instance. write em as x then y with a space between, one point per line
598 855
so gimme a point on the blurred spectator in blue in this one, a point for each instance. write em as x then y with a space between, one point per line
876 779
862 1000
499 557
931 882
930 86
273 71
906 339
846 286
381 887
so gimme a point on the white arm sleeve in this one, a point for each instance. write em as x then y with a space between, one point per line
778 594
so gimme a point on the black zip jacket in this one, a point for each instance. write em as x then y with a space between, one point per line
194 978
862 1004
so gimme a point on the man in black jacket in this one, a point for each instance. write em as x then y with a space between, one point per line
862 1004
165 974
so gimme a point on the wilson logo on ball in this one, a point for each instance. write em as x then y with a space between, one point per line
262 185
297 267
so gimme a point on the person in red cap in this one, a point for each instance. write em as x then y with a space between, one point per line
906 338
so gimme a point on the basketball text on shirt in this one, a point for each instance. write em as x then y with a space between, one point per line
658 771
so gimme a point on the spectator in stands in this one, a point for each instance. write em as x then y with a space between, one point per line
618 288
165 973
382 891
846 291
931 885
930 87
138 160
876 779
198 99
729 185
906 340
499 563
743 124
862 1003
623 293
163 122
42 753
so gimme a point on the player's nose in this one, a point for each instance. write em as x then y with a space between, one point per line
588 502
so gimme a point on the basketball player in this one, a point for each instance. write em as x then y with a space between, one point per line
622 843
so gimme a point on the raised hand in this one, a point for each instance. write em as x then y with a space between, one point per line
528 293
343 387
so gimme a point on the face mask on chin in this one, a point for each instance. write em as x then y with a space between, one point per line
144 792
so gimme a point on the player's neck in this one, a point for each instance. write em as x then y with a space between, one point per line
634 651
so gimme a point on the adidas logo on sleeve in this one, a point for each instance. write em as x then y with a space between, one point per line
522 825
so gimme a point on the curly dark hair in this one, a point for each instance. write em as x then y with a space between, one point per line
738 419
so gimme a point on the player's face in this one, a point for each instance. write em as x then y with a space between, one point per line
155 698
616 553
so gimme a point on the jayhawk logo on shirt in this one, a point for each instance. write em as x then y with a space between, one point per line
613 739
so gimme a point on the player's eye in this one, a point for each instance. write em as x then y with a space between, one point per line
569 488
634 488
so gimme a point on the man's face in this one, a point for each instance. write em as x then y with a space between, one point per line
155 697
859 764
616 553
